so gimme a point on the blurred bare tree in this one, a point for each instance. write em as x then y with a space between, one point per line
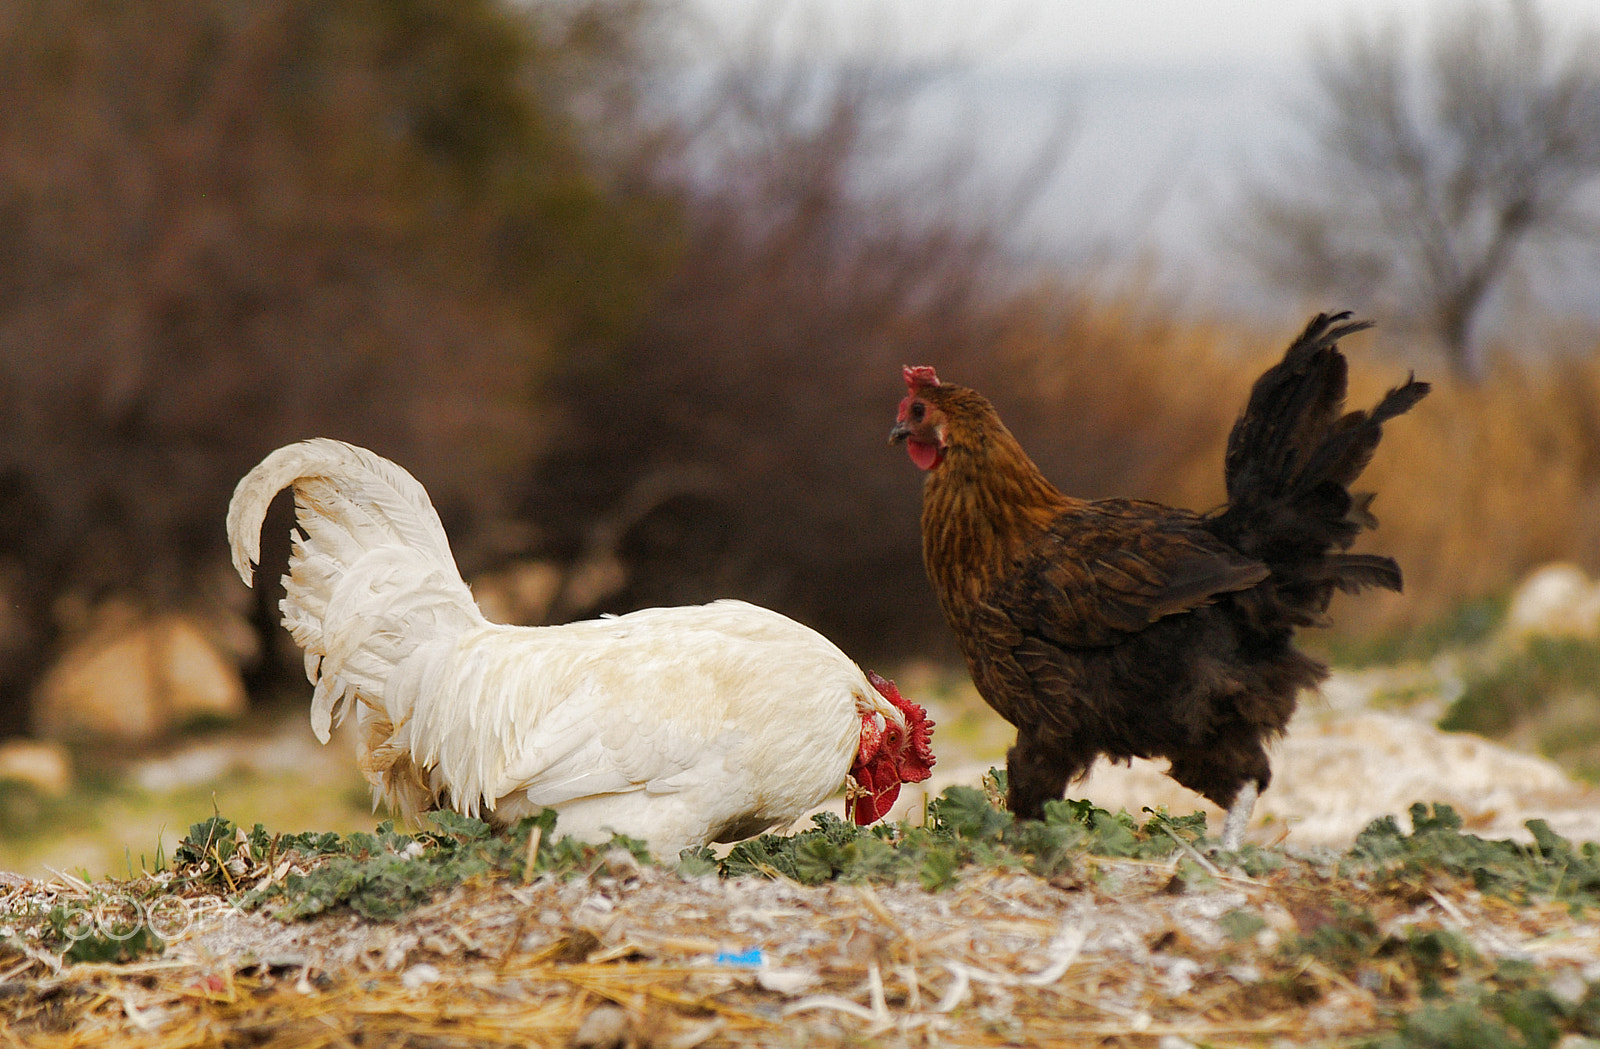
1435 175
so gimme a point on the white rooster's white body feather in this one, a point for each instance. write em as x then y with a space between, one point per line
679 726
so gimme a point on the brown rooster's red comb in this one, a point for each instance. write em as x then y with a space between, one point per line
919 377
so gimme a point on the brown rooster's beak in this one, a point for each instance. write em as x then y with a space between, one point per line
900 432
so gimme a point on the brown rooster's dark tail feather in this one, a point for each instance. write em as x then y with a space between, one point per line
1345 448
1353 573
1291 407
1399 400
1291 459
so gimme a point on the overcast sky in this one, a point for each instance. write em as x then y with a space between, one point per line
1141 32
1172 105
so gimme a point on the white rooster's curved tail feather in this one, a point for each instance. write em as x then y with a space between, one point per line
371 577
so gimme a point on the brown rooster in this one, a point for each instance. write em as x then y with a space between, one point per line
1126 628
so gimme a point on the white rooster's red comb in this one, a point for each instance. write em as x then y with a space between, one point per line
917 721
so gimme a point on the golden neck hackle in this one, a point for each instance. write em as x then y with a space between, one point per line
985 505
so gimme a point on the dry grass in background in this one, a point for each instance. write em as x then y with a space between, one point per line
1476 486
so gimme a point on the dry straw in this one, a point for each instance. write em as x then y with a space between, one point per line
640 956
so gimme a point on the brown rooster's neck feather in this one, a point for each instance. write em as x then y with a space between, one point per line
983 508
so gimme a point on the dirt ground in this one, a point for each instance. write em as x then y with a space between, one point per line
1118 952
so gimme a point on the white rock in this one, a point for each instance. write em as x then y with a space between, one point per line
44 766
1557 599
134 680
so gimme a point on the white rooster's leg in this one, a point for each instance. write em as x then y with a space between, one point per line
1239 816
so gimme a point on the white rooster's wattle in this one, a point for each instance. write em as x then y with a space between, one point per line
679 726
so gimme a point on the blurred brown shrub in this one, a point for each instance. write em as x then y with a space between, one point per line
224 227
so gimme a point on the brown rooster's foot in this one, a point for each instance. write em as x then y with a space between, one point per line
1239 816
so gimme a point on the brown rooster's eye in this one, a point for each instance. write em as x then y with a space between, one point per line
918 410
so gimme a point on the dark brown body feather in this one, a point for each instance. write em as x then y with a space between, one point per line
1130 629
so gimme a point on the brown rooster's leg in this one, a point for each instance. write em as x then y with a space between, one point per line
1238 817
1232 775
1037 771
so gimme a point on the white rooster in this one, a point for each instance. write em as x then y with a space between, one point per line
678 726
